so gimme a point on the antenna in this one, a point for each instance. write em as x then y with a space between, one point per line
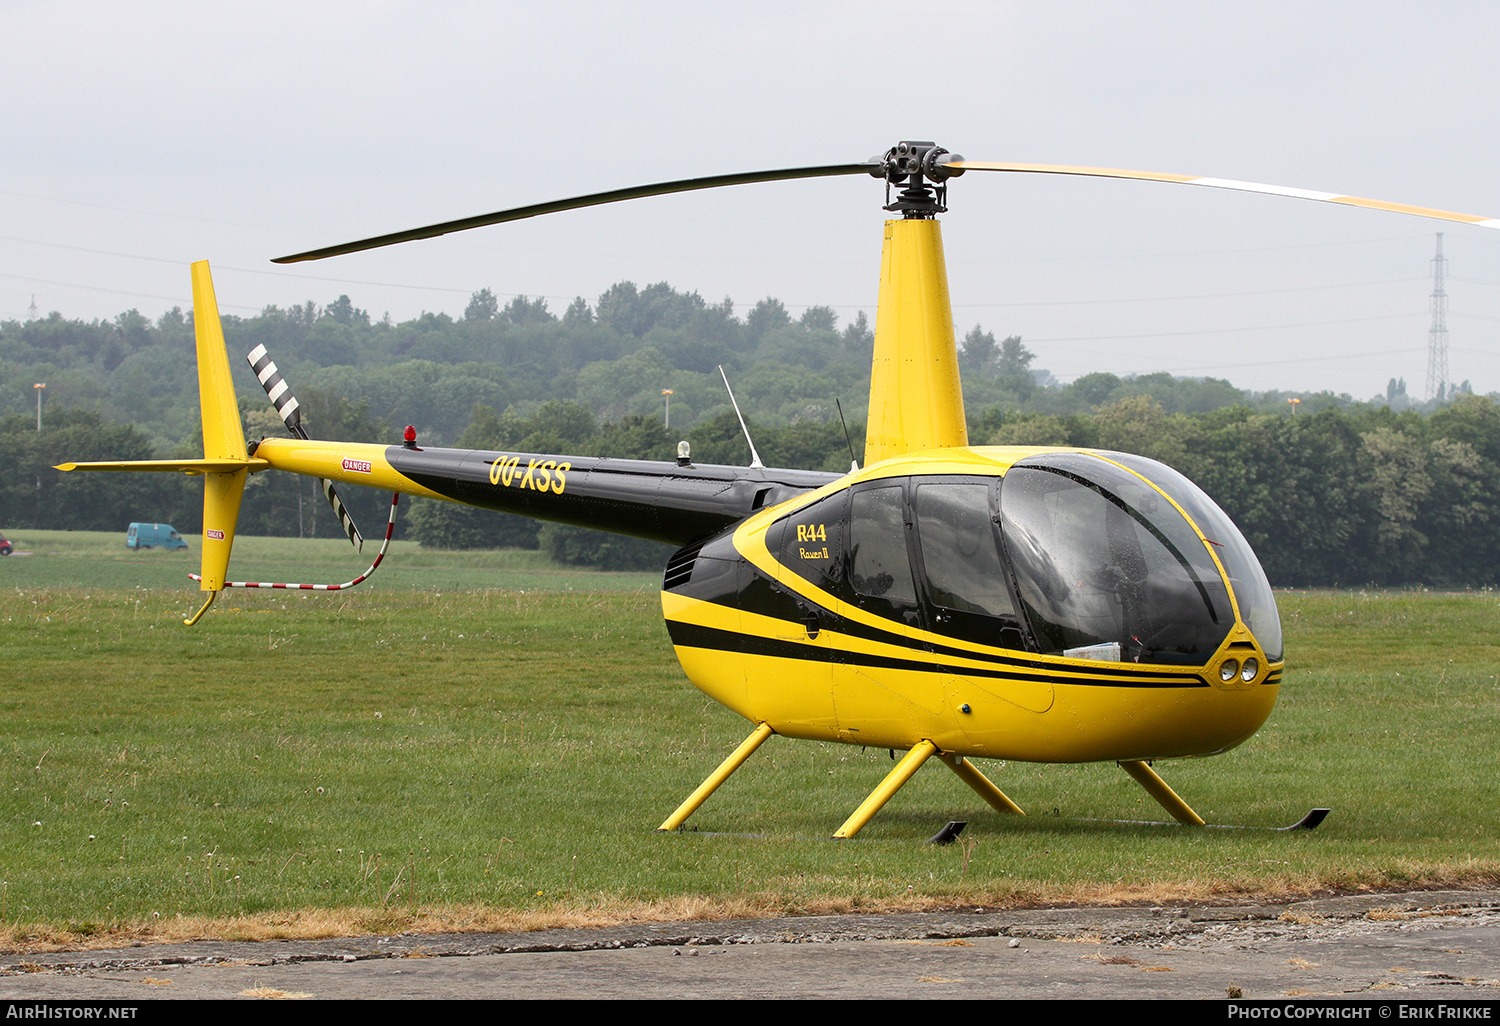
754 456
1437 335
853 463
32 313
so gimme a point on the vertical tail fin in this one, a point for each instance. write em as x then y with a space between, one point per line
223 438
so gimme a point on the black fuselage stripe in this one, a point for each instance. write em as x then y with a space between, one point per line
714 639
866 632
886 637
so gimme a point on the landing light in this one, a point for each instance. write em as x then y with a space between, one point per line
1229 668
1249 670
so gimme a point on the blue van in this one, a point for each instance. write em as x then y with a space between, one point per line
153 536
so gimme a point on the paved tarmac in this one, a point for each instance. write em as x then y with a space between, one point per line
1427 946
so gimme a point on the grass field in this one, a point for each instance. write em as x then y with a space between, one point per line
425 754
98 559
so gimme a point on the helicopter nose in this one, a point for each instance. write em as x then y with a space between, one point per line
1240 663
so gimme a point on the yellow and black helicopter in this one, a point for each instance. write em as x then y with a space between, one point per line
1030 603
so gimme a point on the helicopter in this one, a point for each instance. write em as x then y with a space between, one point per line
1029 603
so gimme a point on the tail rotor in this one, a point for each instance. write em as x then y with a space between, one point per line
287 407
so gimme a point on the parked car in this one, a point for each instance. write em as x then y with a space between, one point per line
6 548
153 536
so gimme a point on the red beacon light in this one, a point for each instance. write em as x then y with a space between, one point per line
410 437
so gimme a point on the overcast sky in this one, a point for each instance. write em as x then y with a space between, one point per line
135 138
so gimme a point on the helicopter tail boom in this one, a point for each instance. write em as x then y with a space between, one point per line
658 500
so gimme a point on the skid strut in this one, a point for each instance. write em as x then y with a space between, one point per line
909 764
744 751
981 784
907 768
1157 788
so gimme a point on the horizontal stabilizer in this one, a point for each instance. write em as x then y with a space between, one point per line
185 466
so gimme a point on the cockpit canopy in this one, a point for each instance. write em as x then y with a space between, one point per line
1072 554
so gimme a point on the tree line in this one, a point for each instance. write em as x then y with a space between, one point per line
1339 497
614 356
1382 491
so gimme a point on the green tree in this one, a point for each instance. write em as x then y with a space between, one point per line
342 311
979 354
767 315
448 525
483 306
819 318
1093 389
1014 358
1393 466
521 310
857 336
1030 429
33 494
578 314
1140 425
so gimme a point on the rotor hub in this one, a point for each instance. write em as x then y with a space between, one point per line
918 170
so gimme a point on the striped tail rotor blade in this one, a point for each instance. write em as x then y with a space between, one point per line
280 394
277 390
345 520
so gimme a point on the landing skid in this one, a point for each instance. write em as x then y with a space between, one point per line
950 832
1307 822
1138 769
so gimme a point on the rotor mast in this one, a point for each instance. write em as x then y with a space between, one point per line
916 401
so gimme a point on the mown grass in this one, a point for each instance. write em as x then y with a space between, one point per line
99 559
396 759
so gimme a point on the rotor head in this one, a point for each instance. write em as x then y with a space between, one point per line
910 166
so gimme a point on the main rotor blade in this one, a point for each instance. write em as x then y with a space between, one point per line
1227 183
432 231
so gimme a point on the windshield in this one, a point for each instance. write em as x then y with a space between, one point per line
1251 588
1105 567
